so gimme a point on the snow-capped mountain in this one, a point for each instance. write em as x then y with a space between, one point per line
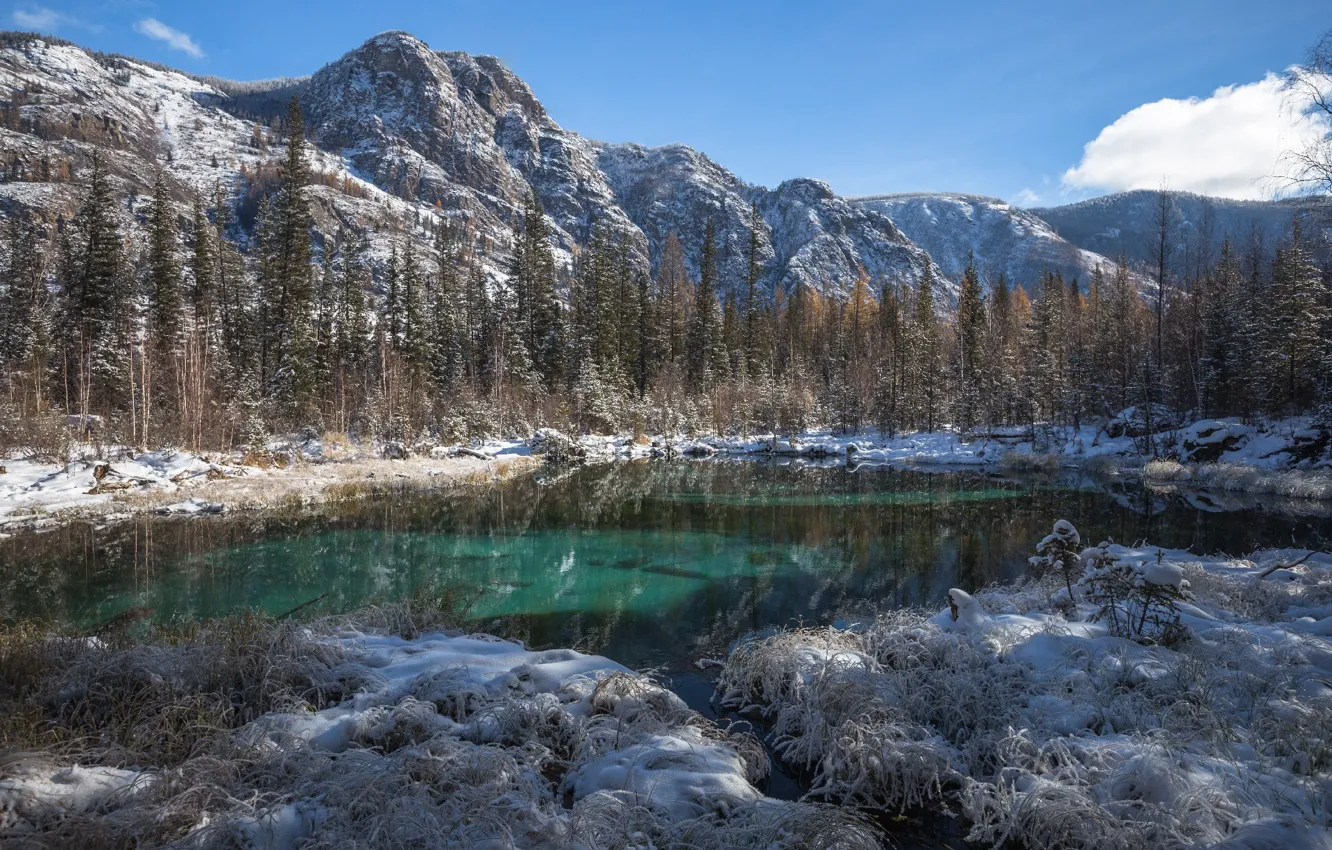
460 131
1126 221
807 234
402 133
1004 239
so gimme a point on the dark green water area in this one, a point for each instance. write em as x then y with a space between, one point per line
654 564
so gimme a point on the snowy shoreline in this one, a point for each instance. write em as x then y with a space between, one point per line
1288 459
1029 714
1035 715
106 486
362 735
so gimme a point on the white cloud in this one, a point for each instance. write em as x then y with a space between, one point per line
39 18
1229 145
174 38
1026 198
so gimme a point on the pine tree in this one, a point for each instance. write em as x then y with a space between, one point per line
754 346
675 294
164 301
536 305
650 350
1299 318
1003 375
237 317
96 318
969 358
448 314
25 321
1222 363
287 279
705 349
415 342
391 318
1049 363
924 354
203 273
889 372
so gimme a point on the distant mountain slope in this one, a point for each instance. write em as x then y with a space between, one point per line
1004 239
808 235
1126 221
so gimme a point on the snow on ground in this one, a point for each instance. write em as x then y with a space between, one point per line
448 739
115 480
1076 722
1288 458
29 487
38 791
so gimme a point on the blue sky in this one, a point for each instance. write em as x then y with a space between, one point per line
986 97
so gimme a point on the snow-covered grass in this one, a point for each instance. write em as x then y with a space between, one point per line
1023 710
261 734
106 481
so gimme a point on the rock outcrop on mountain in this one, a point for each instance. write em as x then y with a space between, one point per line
1002 238
462 132
807 235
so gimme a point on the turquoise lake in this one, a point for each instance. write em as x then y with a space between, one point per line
654 564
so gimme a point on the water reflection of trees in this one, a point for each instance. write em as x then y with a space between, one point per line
846 542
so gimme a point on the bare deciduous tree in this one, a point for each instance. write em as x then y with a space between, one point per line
1309 89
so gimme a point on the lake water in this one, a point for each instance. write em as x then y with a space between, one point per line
654 564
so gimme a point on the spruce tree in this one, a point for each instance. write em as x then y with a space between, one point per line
96 320
164 295
753 348
25 321
706 352
447 314
533 281
1049 364
1222 358
924 356
1299 318
970 363
675 295
287 282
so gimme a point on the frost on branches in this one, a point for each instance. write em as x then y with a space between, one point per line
1157 700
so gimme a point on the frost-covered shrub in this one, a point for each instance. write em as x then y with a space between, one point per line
1138 600
1045 731
1058 553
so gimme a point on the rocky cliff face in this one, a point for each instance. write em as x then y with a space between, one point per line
806 234
461 132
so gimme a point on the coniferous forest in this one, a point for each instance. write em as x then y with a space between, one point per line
208 334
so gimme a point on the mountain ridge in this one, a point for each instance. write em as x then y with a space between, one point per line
404 134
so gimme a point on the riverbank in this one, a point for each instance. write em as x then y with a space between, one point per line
1165 700
1144 699
1287 458
106 485
380 729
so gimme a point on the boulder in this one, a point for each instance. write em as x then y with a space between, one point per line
557 447
1206 441
1141 420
